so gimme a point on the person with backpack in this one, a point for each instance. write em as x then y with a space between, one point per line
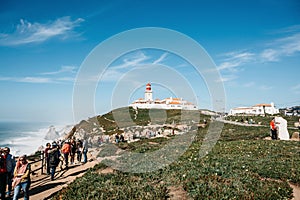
66 150
54 155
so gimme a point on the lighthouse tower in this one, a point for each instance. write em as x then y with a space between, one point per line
148 93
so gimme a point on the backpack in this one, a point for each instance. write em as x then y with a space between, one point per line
54 158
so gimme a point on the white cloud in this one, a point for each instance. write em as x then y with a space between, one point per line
226 78
37 79
233 60
282 47
269 55
63 69
132 61
160 59
111 75
265 87
43 79
128 62
34 80
289 29
27 32
287 45
290 45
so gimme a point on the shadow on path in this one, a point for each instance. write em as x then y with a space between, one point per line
44 187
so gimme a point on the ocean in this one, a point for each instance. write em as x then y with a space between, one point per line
23 137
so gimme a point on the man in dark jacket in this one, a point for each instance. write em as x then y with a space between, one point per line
54 155
10 167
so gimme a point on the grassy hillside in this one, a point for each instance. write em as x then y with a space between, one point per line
240 166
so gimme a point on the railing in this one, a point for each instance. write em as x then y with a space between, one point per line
37 157
41 158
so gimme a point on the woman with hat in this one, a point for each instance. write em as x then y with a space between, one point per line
21 178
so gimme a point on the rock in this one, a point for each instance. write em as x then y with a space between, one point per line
41 148
80 134
65 130
52 134
295 136
282 130
96 140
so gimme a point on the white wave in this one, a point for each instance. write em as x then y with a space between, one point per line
29 142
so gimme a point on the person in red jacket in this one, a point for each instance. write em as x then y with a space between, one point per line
3 173
66 150
273 129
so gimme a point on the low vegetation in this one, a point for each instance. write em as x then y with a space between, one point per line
242 165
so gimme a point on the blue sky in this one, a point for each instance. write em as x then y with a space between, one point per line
254 44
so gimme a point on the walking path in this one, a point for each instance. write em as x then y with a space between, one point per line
236 123
296 192
43 188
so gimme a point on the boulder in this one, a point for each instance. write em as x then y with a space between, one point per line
295 136
80 134
52 134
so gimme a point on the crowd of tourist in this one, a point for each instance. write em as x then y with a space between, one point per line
15 173
63 153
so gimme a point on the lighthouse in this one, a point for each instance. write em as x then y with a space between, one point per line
148 93
168 103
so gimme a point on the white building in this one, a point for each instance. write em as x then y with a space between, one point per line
258 109
168 103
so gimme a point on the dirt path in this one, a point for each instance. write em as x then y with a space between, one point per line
43 188
296 192
177 193
237 123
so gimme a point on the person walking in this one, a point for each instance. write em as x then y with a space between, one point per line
73 151
54 155
10 167
85 150
3 173
66 150
79 150
273 129
21 178
48 147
